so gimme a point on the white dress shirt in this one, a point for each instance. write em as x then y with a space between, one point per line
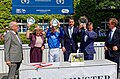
70 30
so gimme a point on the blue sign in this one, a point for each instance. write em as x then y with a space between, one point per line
42 7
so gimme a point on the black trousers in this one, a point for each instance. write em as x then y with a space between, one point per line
114 59
68 52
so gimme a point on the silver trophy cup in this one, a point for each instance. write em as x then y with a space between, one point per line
30 20
83 20
55 22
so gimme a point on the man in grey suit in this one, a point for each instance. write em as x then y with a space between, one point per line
13 50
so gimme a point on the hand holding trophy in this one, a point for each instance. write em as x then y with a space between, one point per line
82 22
54 24
30 21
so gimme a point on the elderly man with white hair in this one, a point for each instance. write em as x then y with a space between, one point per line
13 50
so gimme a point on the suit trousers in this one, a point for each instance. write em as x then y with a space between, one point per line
68 52
66 55
13 70
114 59
88 56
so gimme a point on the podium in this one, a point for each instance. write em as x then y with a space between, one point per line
91 69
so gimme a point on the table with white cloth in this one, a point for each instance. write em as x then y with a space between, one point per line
90 69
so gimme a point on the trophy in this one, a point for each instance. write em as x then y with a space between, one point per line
54 22
83 20
30 20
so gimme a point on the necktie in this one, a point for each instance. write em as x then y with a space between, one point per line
110 36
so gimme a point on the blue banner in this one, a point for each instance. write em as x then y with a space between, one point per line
42 7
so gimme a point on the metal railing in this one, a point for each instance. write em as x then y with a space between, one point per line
99 47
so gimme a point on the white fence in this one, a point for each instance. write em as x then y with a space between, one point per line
99 47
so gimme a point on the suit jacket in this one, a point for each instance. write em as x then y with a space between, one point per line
32 38
67 42
12 48
114 42
88 46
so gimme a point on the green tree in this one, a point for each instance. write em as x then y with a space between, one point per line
109 4
95 13
5 8
85 7
107 9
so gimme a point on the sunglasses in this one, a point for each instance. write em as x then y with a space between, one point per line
108 24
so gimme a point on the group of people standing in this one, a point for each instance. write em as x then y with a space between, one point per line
66 37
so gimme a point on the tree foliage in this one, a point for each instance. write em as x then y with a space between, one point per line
109 4
85 8
105 9
6 16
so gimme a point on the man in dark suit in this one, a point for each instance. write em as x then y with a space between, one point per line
69 40
87 41
13 50
112 43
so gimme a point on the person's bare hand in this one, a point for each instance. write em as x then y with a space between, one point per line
115 48
28 25
63 49
84 25
59 24
80 26
8 62
51 24
42 48
105 48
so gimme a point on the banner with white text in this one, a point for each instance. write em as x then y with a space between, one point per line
42 7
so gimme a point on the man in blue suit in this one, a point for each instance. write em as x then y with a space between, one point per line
112 43
87 41
69 40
